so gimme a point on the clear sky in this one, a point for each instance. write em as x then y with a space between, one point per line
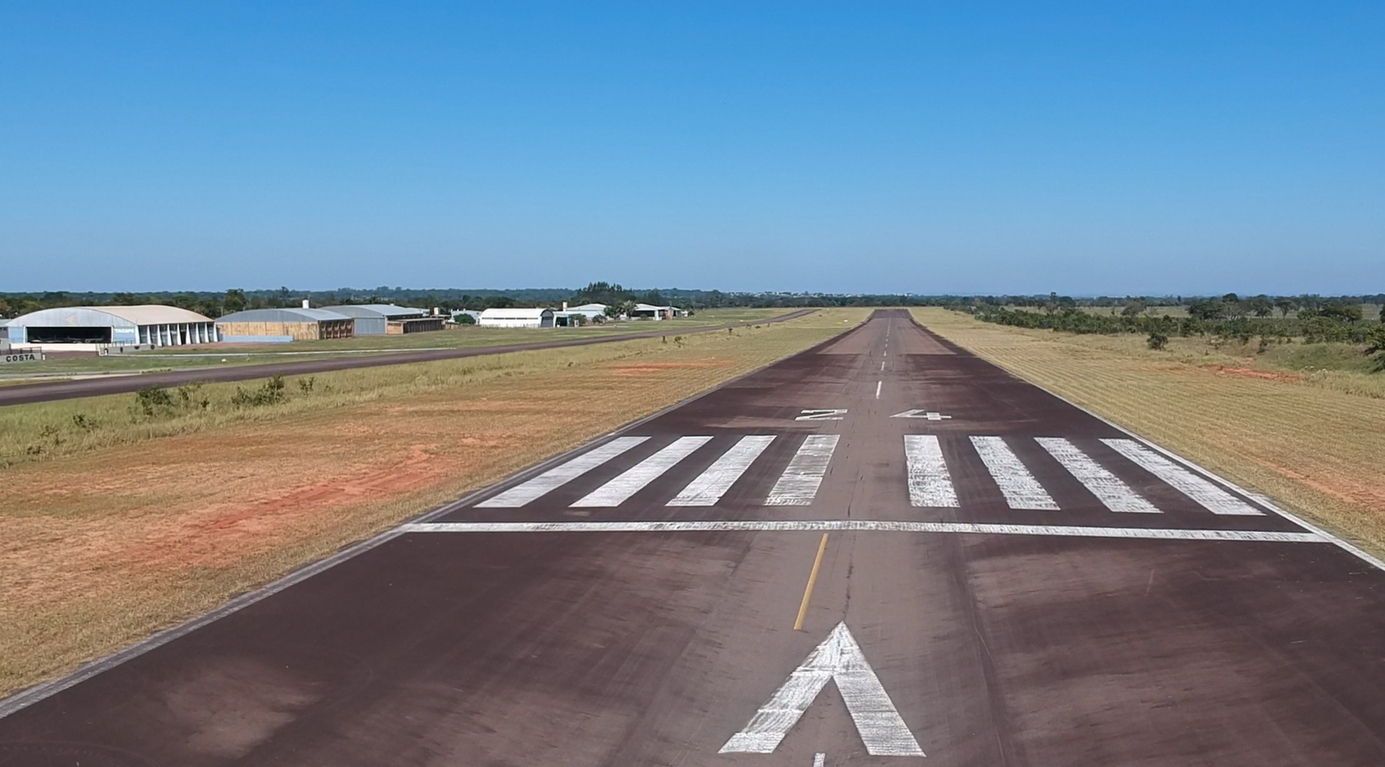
919 146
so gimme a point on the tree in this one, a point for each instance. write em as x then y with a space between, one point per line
1133 308
1284 305
1260 306
234 300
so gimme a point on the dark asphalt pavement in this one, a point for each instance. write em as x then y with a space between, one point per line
1005 580
21 394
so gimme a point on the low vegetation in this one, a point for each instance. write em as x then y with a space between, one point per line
127 514
1301 423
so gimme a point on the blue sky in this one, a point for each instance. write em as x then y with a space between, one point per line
852 147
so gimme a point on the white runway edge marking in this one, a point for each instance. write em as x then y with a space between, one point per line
1107 487
619 490
713 483
798 485
929 482
1019 487
1208 495
559 475
838 658
866 526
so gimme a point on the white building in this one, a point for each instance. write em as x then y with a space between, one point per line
74 327
516 318
591 311
652 312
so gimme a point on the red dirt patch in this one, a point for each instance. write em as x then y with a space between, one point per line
1263 375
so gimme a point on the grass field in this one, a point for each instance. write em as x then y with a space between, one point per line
122 523
1312 440
461 337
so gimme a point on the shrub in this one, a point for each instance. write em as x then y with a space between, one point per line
270 393
1157 340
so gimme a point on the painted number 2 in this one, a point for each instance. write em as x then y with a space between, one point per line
831 414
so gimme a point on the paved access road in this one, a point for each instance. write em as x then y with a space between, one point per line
21 394
1005 580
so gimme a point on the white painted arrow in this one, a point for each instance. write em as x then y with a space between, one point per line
920 413
839 659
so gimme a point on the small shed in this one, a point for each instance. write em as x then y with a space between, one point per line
388 319
516 318
284 325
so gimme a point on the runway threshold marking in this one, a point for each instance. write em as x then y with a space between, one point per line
861 525
930 484
560 475
1206 494
619 490
713 483
1107 487
838 659
799 483
812 579
1020 488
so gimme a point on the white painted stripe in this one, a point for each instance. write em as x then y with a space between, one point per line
1263 500
1107 487
878 384
713 483
839 659
882 366
560 475
798 485
819 760
619 490
866 526
1208 495
929 482
1019 487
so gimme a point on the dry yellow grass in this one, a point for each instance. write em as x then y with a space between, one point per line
1314 444
137 526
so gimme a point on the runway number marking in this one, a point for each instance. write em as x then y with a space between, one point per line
925 414
822 414
838 659
560 475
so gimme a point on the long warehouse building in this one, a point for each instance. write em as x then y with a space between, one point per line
284 325
388 319
152 324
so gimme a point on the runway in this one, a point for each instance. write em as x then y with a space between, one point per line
881 551
21 394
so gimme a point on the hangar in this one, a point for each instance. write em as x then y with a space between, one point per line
388 319
516 318
284 325
151 324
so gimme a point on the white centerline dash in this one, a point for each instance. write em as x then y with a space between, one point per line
878 384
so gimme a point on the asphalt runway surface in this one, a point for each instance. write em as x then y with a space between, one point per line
21 394
979 572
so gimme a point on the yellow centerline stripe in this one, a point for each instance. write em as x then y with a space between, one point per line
812 579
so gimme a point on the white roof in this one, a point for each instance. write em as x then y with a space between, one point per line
514 313
149 314
652 308
588 308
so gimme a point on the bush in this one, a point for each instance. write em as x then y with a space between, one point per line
1157 340
271 393
154 400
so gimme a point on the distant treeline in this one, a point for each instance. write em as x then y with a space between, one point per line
1315 319
215 304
